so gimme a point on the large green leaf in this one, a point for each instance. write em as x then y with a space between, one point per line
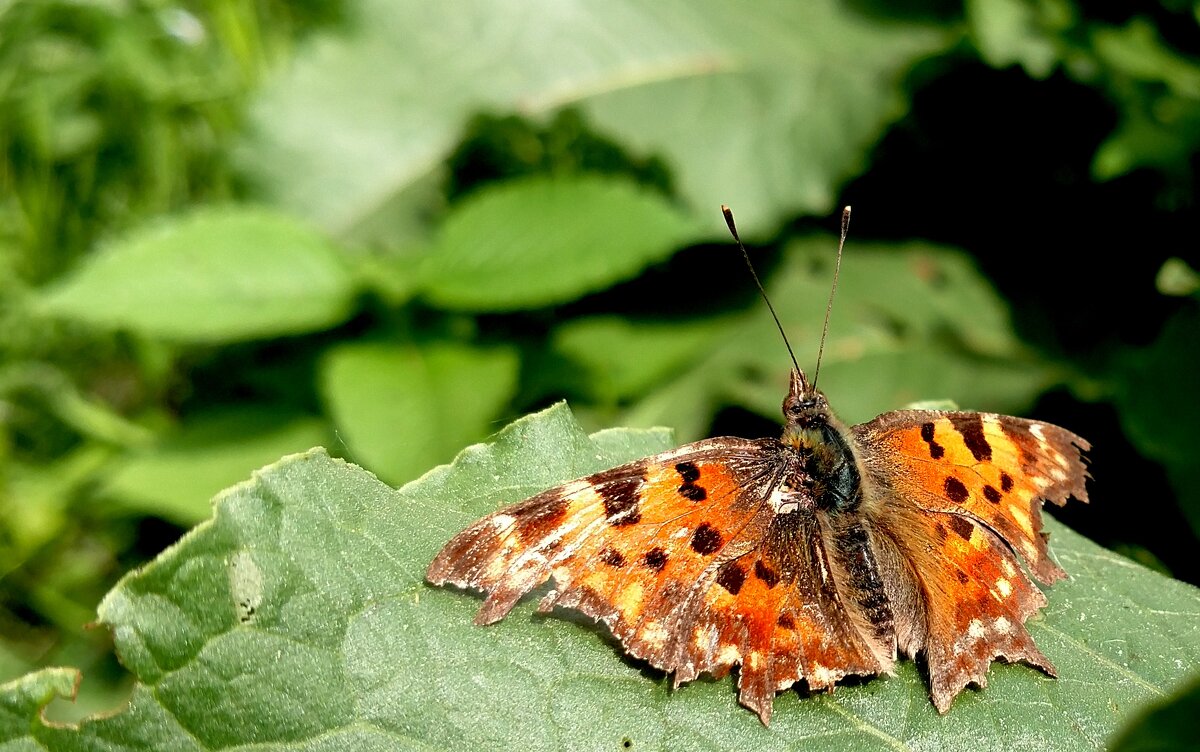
218 275
1010 31
298 619
1158 92
624 358
541 241
765 106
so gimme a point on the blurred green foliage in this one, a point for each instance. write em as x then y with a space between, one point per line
232 229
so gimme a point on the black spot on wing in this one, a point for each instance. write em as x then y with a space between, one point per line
769 576
970 427
692 492
1006 482
731 577
612 557
961 526
655 559
621 500
955 490
786 621
991 494
688 472
706 539
935 449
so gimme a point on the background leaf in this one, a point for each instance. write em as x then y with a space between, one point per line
217 200
1158 406
898 335
219 275
299 613
525 244
175 479
771 107
1166 726
404 408
625 358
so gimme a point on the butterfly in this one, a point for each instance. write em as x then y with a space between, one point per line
828 552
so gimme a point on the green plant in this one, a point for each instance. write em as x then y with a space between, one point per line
384 231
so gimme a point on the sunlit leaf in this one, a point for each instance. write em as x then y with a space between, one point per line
764 107
175 478
540 241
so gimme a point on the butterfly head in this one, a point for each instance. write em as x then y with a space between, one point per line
806 412
820 441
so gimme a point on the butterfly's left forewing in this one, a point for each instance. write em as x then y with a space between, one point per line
684 558
610 540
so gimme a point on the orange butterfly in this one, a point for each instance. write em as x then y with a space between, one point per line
825 553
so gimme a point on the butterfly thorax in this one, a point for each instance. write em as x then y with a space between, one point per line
827 469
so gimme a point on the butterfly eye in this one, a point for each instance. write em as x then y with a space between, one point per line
802 405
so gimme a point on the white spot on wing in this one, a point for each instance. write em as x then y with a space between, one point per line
706 638
783 502
1020 515
819 675
729 654
975 629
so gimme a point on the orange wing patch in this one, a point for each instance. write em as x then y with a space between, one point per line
955 491
633 573
994 468
777 610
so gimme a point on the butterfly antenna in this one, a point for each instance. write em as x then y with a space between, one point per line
733 231
837 268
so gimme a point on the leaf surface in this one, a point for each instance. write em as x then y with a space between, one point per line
541 241
764 107
298 619
214 276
